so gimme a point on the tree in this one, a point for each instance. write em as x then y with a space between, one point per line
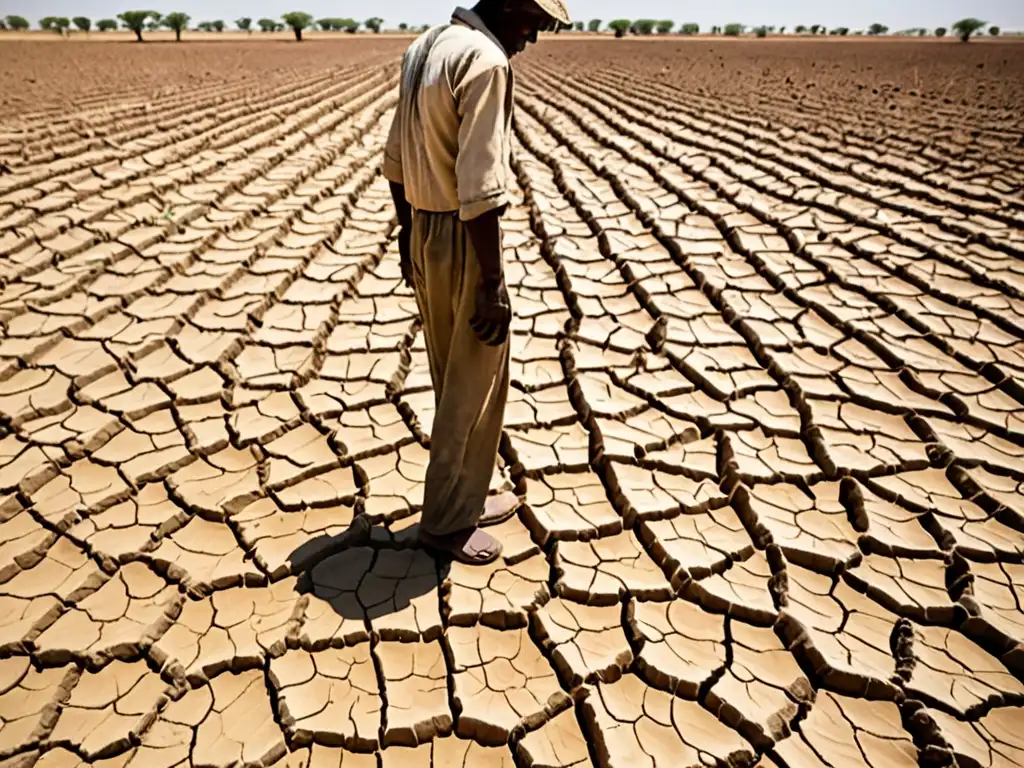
800 29
403 27
106 25
840 31
994 31
690 28
298 21
266 25
940 31
136 21
178 22
244 24
83 23
154 23
56 24
620 27
642 27
594 25
218 25
577 26
967 27
17 23
877 29
374 24
782 30
325 24
761 31
665 26
733 30
716 30
815 28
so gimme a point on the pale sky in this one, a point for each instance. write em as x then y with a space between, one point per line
896 14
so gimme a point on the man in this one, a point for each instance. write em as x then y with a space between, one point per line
447 159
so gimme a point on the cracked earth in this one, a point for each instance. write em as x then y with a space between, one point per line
766 420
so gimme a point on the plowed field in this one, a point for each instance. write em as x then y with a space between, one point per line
767 415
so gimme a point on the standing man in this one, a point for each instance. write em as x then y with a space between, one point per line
447 158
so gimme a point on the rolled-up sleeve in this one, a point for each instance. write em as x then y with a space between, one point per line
392 167
480 167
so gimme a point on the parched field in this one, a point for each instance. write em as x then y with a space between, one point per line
767 415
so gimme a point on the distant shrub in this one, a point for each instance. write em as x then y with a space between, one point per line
178 22
374 23
761 31
877 29
298 21
58 24
940 31
218 25
967 27
782 30
83 23
17 23
815 28
690 29
620 27
594 25
994 31
800 29
733 30
642 26
665 26
266 25
106 25
840 31
136 21
244 24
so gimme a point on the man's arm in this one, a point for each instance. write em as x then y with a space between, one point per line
493 309
404 211
480 171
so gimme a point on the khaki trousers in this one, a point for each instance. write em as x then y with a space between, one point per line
470 378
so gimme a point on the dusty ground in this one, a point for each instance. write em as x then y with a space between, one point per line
766 419
64 77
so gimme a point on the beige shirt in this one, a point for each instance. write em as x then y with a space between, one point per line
450 139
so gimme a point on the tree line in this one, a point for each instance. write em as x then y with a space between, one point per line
964 29
298 21
178 22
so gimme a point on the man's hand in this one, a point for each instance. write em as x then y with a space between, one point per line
493 314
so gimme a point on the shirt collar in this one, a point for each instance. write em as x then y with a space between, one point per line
471 19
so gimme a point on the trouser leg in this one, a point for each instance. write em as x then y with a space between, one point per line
470 378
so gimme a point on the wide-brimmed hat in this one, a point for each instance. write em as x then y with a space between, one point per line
555 9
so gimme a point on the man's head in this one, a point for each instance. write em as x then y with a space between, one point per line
516 23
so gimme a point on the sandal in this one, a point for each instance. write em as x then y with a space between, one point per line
471 547
498 508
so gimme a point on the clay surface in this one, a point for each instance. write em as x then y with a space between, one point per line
766 417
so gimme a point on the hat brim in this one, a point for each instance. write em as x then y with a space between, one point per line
555 9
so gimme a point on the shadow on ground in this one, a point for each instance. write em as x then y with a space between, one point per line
363 582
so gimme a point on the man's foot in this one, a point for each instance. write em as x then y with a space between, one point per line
498 508
472 547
